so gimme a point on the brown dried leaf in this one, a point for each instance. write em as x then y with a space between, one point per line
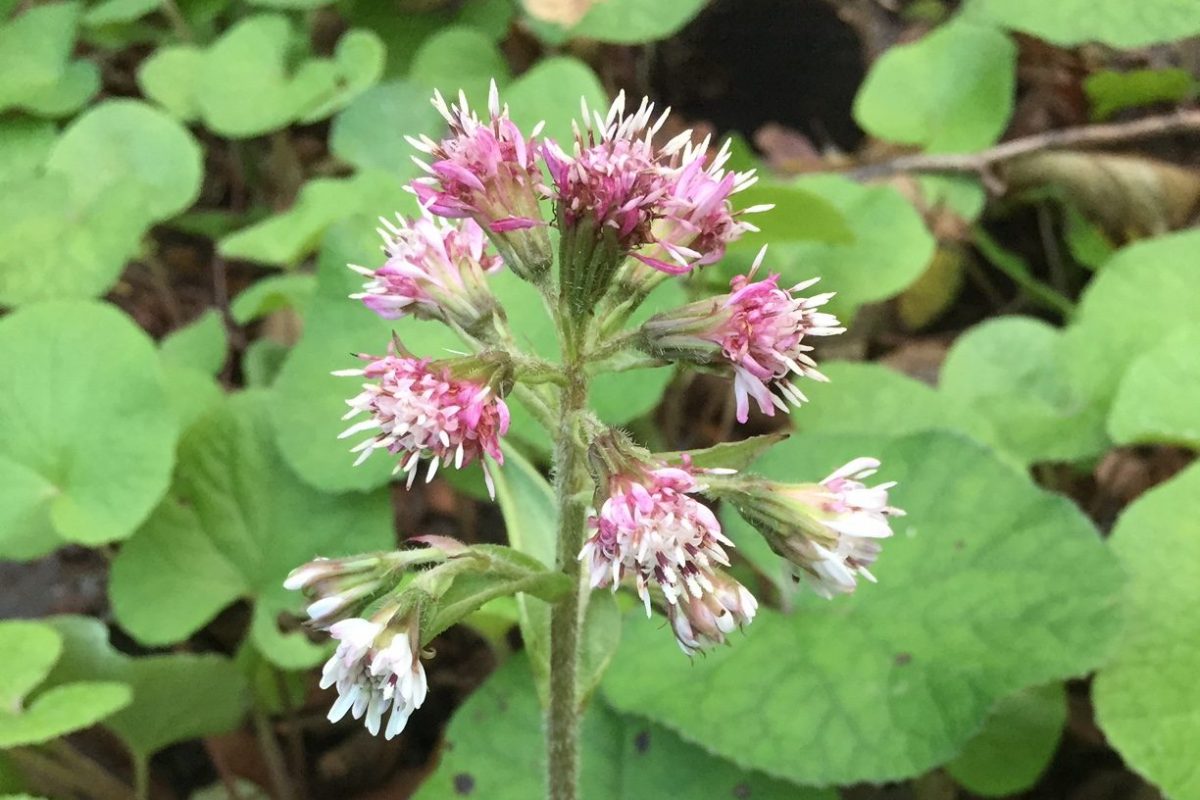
1129 196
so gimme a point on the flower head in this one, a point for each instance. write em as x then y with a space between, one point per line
376 668
434 270
832 530
697 218
648 526
418 409
758 330
487 170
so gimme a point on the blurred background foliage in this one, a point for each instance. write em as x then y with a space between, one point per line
1003 194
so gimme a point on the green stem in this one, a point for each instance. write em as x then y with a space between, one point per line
272 756
570 483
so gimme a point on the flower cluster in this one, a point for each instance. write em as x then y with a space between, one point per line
417 409
758 330
624 204
648 526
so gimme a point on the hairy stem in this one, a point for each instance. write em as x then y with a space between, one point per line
570 481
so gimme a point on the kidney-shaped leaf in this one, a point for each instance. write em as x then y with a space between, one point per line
235 522
175 697
950 91
1072 22
990 585
1147 699
1158 400
86 437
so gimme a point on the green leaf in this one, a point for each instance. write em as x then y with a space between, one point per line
1073 22
634 22
268 295
35 72
191 393
370 133
1011 372
1146 697
1158 400
460 58
871 399
284 239
531 524
60 711
890 249
262 361
1016 745
234 524
86 438
24 145
1109 91
984 590
113 12
623 758
247 84
68 230
175 697
122 140
599 640
30 650
309 402
1162 274
731 455
201 345
550 93
798 216
951 91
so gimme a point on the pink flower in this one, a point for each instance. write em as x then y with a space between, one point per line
488 171
758 329
484 170
650 528
420 410
434 270
614 180
698 221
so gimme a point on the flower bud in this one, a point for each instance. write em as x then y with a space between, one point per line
699 622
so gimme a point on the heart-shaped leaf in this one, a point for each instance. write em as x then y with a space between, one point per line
175 697
89 466
1146 699
1158 400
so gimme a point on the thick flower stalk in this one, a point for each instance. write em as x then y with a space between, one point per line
488 170
831 531
648 527
446 413
434 270
758 331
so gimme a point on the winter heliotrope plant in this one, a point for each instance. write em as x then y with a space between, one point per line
629 212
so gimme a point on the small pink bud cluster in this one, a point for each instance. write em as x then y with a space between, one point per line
485 170
420 410
650 528
434 270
